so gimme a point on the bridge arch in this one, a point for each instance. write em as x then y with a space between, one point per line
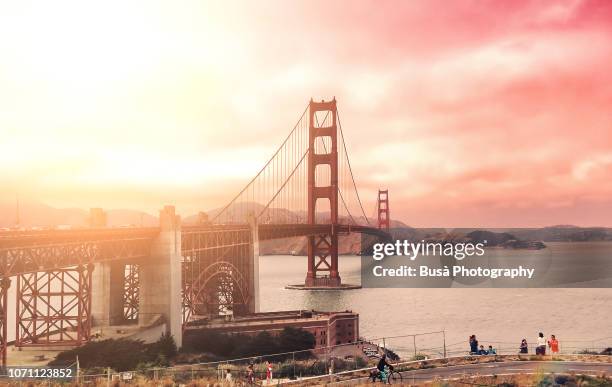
219 289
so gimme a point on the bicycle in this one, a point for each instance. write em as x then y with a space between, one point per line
388 376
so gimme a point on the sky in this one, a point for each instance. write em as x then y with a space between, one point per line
471 113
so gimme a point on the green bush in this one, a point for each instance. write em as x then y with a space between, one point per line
228 346
361 362
119 354
165 346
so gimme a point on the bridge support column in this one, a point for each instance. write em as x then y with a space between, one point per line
253 306
107 293
160 277
107 282
323 150
382 205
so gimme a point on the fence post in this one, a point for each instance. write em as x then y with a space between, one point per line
414 344
444 342
107 376
326 359
293 356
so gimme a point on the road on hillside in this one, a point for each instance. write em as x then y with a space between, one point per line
510 367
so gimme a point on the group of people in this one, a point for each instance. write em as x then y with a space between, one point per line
480 350
542 343
251 374
552 343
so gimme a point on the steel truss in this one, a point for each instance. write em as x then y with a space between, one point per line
5 284
131 295
215 271
28 254
54 307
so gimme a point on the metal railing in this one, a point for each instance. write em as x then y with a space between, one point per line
341 359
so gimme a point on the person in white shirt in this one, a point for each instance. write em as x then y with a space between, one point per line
541 348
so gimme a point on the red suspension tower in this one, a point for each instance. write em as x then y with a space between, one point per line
323 249
383 209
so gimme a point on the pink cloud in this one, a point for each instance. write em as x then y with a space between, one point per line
471 113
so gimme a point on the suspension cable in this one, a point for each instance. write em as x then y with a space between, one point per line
284 184
350 169
339 190
262 169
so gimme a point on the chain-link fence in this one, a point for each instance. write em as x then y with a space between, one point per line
285 367
281 367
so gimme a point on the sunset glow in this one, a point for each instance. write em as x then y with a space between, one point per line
496 114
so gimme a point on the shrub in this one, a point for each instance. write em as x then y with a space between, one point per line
238 346
119 354
165 346
360 362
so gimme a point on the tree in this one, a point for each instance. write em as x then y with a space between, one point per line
292 339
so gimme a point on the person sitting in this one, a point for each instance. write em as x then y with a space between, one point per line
524 348
491 350
482 351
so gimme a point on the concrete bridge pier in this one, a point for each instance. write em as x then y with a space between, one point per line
160 277
106 282
107 293
253 305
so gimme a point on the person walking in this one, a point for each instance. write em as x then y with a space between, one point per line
250 374
228 377
553 344
268 372
541 348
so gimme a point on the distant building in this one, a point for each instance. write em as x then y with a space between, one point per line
329 328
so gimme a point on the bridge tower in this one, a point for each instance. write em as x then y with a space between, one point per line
383 209
323 249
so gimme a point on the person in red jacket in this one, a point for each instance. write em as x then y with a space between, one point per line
268 372
553 344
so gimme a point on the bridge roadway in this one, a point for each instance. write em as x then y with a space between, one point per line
39 250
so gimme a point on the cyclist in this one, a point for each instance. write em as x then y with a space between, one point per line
380 368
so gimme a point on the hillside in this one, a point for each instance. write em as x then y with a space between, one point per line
34 214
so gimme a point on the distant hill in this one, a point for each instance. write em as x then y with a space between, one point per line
491 238
34 214
566 234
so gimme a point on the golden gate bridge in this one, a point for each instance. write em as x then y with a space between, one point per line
68 280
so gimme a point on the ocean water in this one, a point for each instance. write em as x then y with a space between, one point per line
580 317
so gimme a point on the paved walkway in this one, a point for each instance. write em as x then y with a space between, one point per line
510 367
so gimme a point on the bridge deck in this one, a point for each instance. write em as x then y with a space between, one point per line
30 251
